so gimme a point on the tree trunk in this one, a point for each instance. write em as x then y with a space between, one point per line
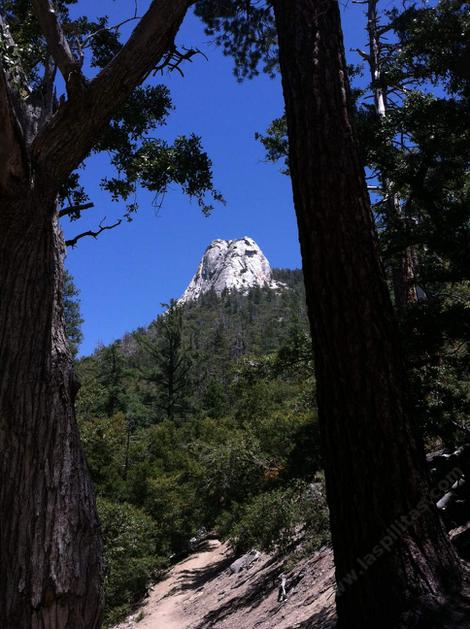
403 279
50 549
374 469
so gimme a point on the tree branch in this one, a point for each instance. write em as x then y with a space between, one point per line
11 135
175 58
63 144
114 27
102 228
48 92
57 43
11 155
75 209
362 54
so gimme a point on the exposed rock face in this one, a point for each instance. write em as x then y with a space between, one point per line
236 265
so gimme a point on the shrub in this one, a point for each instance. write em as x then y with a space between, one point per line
129 549
275 519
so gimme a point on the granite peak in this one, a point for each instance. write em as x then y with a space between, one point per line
234 265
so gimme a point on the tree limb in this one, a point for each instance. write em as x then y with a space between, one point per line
47 90
11 153
57 43
175 58
11 135
114 27
93 234
362 54
63 144
75 209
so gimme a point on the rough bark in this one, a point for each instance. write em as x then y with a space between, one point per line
11 136
50 550
374 468
405 291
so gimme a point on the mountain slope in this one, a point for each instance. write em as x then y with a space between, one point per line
201 592
241 440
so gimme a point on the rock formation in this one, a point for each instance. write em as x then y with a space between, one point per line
236 265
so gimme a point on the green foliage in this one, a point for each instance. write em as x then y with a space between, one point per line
246 31
434 43
276 143
272 520
111 375
167 363
249 436
72 315
129 542
104 440
140 158
235 466
155 164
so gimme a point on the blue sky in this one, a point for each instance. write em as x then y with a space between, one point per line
127 273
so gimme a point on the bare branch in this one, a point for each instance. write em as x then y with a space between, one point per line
57 43
362 54
114 27
94 234
62 145
175 58
75 209
381 30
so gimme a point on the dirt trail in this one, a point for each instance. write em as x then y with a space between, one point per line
200 592
164 608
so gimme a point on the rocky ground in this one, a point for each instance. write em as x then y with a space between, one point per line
201 592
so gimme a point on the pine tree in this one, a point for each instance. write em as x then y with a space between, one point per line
168 363
374 467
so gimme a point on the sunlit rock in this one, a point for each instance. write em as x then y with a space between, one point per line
234 265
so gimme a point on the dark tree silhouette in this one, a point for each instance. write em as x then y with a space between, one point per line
50 549
374 467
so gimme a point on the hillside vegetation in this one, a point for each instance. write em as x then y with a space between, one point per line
206 420
231 444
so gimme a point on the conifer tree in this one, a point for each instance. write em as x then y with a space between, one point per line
168 363
374 466
50 549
